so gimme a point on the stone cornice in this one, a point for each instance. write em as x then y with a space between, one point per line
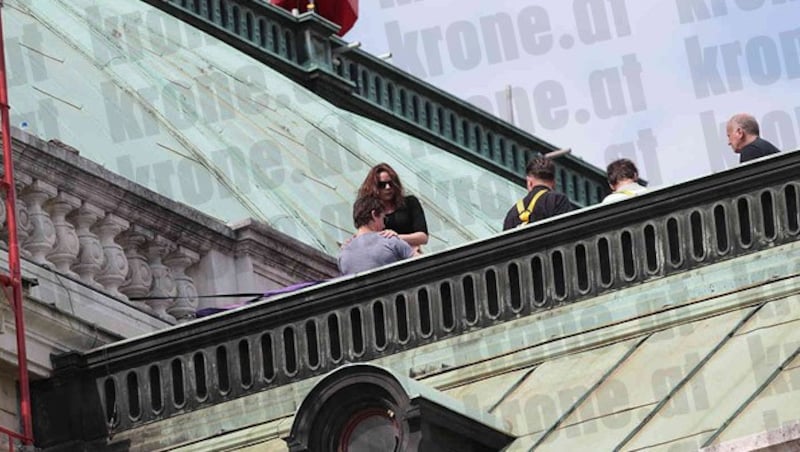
276 248
62 315
58 163
532 272
95 226
560 233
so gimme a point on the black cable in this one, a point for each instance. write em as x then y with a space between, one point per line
228 295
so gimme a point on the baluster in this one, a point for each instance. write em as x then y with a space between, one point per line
140 278
162 294
90 256
65 250
42 234
186 293
23 219
115 265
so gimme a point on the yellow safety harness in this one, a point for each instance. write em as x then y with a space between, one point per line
525 214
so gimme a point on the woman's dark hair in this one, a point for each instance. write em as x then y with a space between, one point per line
370 185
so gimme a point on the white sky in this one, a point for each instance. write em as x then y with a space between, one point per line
606 73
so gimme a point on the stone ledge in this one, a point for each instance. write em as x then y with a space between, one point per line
63 315
784 439
267 415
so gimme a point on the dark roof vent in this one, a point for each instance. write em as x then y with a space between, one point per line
362 407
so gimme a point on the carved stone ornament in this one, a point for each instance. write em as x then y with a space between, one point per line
66 247
91 255
42 234
115 265
186 300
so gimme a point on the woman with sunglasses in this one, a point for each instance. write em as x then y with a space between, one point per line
404 215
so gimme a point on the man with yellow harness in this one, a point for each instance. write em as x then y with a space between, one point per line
541 201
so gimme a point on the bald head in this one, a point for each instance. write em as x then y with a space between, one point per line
742 129
747 122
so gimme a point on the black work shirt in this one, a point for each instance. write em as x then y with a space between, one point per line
549 205
756 149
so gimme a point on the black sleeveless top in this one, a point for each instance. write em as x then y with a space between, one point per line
408 219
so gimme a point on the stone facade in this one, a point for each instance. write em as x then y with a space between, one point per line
93 226
105 259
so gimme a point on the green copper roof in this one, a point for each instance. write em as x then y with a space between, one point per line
727 375
692 360
193 119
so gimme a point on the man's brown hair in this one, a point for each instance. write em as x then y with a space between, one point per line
541 168
363 208
621 169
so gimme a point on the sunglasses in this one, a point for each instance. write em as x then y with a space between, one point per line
386 184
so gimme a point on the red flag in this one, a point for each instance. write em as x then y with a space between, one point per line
341 12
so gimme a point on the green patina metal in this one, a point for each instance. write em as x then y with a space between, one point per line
306 49
184 114
689 377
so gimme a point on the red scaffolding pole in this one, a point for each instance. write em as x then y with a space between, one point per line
14 278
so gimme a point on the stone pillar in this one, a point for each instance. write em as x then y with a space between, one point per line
115 264
66 247
42 235
91 255
314 49
162 294
139 278
186 299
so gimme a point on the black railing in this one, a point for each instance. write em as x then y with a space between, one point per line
305 49
579 256
409 104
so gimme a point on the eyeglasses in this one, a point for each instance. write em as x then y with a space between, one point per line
385 184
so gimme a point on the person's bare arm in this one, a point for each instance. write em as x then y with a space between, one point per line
413 239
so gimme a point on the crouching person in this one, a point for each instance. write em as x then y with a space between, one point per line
368 249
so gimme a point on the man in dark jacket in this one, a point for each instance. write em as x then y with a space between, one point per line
743 138
541 201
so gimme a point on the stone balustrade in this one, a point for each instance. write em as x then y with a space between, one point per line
571 259
114 236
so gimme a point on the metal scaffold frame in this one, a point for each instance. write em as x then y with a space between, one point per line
13 281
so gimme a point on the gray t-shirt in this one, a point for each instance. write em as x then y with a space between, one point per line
371 250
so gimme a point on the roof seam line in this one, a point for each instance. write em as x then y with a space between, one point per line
591 390
689 375
512 389
752 397
673 440
611 413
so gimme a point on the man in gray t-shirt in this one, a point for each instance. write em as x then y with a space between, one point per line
369 249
